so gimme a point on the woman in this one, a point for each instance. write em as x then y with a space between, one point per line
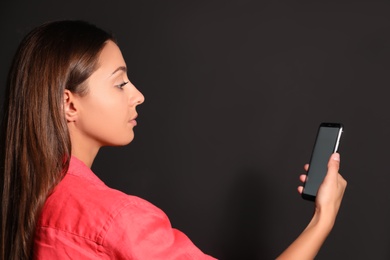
67 95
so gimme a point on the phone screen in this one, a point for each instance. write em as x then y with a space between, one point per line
327 141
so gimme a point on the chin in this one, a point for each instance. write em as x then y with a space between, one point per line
123 142
128 140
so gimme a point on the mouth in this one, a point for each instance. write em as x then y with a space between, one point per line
133 120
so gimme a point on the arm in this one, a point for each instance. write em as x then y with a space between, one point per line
327 204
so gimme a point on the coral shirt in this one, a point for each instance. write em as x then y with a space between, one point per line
85 219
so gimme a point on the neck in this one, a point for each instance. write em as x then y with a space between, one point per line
86 158
83 148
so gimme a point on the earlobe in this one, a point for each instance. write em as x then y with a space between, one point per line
69 106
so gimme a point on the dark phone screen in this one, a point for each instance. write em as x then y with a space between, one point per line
325 145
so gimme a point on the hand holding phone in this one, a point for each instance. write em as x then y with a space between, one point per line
327 142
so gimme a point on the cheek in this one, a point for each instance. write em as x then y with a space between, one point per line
106 104
116 116
108 112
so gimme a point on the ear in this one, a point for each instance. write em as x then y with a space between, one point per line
69 106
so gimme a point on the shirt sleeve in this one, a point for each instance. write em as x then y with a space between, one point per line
139 230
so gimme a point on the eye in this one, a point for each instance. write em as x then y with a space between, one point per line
122 85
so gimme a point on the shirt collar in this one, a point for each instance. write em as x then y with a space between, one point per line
78 168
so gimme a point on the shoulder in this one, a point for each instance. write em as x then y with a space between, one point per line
78 215
81 204
84 218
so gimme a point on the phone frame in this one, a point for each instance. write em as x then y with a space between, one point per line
335 149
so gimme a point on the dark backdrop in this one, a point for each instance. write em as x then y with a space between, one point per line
235 91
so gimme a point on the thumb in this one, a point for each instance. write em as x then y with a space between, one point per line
334 165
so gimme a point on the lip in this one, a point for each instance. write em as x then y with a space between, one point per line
133 120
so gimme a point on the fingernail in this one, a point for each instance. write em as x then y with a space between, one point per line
336 157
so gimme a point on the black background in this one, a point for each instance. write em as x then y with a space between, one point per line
235 91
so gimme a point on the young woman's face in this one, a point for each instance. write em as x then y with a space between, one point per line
107 113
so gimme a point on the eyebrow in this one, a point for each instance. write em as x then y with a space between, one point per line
121 68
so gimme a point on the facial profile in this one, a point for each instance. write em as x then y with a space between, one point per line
107 114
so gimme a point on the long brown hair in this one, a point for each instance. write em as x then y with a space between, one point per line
35 145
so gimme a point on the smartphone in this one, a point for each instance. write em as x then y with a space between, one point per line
327 143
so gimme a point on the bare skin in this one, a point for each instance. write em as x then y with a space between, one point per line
107 114
327 205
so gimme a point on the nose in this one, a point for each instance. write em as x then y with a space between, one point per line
136 97
141 98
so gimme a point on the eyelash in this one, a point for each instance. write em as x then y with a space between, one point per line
122 85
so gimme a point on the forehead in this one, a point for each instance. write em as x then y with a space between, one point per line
110 58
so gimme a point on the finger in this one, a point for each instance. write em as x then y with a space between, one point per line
334 165
302 177
300 189
306 167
